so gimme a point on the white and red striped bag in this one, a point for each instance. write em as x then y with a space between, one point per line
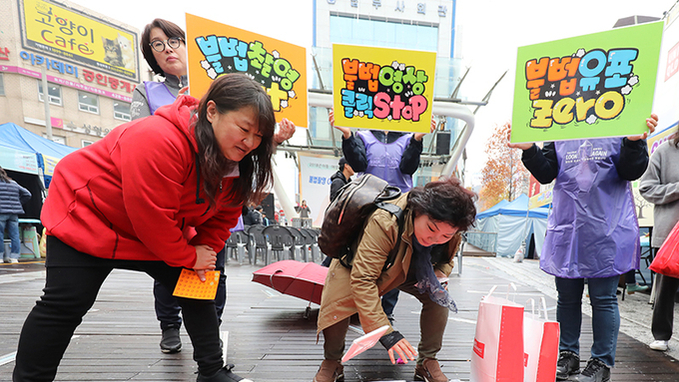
497 355
540 346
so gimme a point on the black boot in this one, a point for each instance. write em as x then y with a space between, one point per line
568 364
223 375
171 343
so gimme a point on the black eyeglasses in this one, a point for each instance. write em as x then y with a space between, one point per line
172 42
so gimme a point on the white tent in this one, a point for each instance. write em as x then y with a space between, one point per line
513 223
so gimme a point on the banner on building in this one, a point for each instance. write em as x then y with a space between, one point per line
17 160
539 194
592 86
315 172
215 49
383 89
667 84
70 34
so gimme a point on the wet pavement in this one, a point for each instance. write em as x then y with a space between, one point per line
268 338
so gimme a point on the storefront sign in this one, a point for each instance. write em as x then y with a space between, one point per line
90 76
67 83
4 53
72 35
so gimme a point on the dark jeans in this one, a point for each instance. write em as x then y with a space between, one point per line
663 309
167 307
605 315
73 282
389 301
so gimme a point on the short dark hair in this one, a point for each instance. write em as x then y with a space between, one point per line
446 201
342 162
170 29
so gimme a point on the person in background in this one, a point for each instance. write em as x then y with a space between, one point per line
389 155
592 234
303 210
163 44
259 210
251 216
631 284
340 178
433 218
660 186
12 198
159 206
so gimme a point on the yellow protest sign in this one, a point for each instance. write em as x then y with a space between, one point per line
384 89
215 49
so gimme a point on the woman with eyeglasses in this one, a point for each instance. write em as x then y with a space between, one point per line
163 44
156 195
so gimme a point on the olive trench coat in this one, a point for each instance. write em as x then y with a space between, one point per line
348 291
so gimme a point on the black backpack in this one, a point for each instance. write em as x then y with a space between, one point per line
346 215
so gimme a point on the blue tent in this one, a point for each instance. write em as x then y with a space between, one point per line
492 211
16 136
513 223
47 153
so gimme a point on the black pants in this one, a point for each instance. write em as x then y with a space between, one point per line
167 308
663 309
73 282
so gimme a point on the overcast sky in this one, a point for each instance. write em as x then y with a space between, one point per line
489 32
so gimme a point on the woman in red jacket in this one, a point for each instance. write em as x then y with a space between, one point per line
156 195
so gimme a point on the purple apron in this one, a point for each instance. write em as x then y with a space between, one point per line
157 95
593 229
384 159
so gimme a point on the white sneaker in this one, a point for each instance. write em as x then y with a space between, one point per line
12 260
659 345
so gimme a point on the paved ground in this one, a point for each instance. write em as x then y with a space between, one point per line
269 339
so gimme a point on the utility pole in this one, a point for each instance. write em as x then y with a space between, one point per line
46 98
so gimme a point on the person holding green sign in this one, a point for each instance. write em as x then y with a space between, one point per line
592 234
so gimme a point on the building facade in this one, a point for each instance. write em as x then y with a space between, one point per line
424 25
92 64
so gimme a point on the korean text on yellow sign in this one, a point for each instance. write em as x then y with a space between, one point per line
72 35
385 89
215 49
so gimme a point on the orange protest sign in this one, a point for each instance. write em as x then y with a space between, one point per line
215 49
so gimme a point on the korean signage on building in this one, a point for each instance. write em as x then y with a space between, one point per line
74 36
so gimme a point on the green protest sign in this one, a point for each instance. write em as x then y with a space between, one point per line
592 86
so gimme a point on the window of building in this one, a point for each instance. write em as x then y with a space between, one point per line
121 110
54 92
383 33
84 143
2 85
88 102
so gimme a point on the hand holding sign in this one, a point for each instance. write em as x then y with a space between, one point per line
651 122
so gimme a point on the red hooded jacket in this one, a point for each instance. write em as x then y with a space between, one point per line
132 195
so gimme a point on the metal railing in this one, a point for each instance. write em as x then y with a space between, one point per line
484 240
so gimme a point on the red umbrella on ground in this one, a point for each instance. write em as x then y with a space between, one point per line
294 278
